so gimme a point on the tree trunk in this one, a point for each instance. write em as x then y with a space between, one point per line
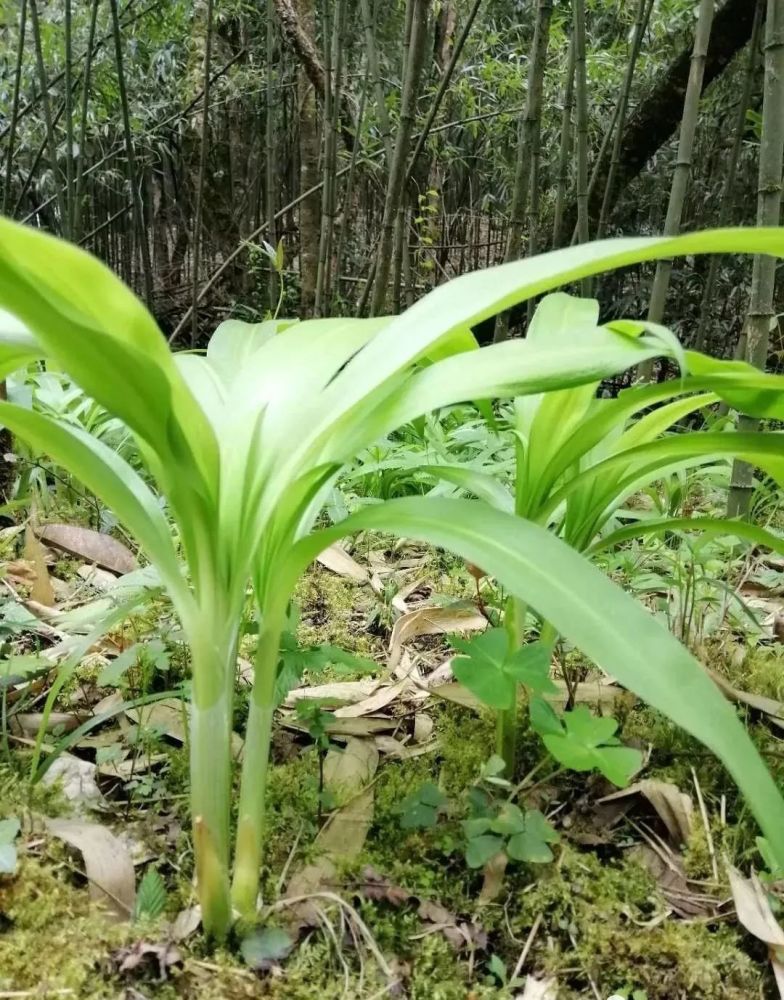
581 91
761 314
659 113
131 173
644 8
88 62
397 172
565 149
47 107
201 180
310 207
682 172
725 199
528 136
9 159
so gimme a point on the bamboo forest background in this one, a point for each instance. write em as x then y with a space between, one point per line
386 146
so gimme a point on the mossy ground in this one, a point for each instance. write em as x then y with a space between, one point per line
602 919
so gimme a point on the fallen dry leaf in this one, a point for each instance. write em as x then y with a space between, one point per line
753 908
92 546
185 923
378 700
337 560
339 692
768 706
674 807
144 954
423 727
755 913
107 864
375 886
432 621
668 871
347 774
41 590
461 934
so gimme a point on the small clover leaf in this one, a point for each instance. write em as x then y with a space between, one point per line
420 809
586 742
489 671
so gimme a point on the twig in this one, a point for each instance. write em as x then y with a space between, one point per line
527 947
706 824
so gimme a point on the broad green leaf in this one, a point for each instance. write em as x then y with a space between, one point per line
480 850
587 742
704 525
592 612
509 820
481 667
531 844
530 666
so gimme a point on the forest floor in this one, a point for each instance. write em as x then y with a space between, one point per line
366 888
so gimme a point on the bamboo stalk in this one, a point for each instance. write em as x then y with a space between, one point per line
682 172
762 313
9 159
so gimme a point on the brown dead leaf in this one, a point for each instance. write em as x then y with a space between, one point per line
668 871
337 693
344 727
379 699
92 546
337 560
674 807
28 723
148 956
185 923
347 773
41 589
107 864
461 934
432 621
375 886
768 706
753 908
168 716
99 579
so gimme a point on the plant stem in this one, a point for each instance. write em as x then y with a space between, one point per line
250 822
506 724
210 761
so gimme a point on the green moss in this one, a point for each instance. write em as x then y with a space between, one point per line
53 935
334 612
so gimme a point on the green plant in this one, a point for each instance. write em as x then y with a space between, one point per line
246 442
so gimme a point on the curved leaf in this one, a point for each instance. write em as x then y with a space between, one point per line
591 611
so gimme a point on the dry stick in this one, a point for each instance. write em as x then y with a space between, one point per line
706 824
682 172
581 90
565 149
725 199
15 104
399 237
131 158
529 941
367 160
761 314
44 83
205 138
528 130
80 172
397 172
644 9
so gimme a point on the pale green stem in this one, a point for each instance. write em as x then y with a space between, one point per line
506 724
255 763
212 664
